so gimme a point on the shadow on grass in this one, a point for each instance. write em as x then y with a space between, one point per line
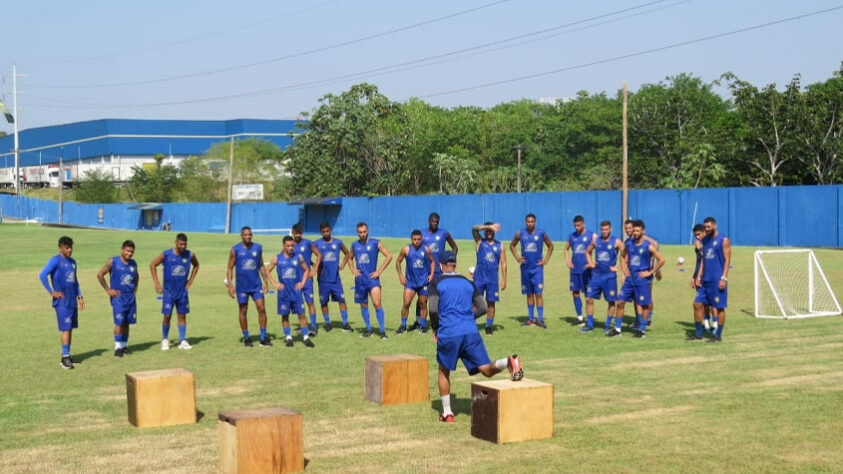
748 312
142 346
460 406
78 358
198 340
199 415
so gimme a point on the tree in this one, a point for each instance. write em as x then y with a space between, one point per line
820 131
201 179
255 160
158 184
95 186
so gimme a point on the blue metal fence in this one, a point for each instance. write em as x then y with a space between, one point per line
781 216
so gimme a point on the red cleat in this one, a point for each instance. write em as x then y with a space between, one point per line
514 365
449 418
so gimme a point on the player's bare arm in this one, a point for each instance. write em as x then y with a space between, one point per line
346 254
618 250
350 259
315 251
229 273
401 255
193 271
451 242
432 263
568 255
101 277
727 260
549 244
262 273
590 263
503 271
272 263
512 246
305 273
387 258
153 268
659 262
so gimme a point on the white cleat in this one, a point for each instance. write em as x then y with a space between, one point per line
165 345
184 345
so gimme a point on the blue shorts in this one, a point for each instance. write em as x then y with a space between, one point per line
709 293
363 286
532 280
579 281
638 292
67 318
488 288
287 303
307 290
182 305
468 348
420 290
243 296
124 313
607 286
331 291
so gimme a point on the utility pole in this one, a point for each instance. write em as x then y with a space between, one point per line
624 147
15 124
61 185
518 148
230 177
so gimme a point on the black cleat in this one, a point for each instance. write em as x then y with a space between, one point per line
289 342
714 339
383 335
578 321
613 332
413 326
367 333
126 351
401 330
639 334
118 352
265 343
66 362
328 327
307 342
313 331
528 322
423 330
346 327
541 324
489 330
247 341
694 337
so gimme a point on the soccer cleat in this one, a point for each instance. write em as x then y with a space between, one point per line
126 350
413 326
266 343
289 342
313 330
489 330
693 337
346 327
118 353
308 342
328 327
401 330
247 341
449 418
613 332
639 334
586 329
714 339
66 362
165 345
513 363
423 330
541 324
383 335
578 321
529 322
184 345
367 333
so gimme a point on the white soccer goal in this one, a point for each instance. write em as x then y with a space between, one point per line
791 284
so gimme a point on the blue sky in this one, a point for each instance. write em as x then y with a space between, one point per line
62 45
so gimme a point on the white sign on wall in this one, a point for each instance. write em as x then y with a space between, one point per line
247 192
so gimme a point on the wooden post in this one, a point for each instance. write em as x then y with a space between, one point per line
230 176
624 147
61 185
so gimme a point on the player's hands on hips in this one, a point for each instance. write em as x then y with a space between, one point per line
659 275
570 264
521 259
112 293
722 285
430 278
541 262
612 269
645 274
230 291
278 286
158 288
265 287
357 273
698 282
625 272
57 294
375 275
299 285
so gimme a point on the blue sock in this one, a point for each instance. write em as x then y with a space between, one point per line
608 322
118 338
125 337
422 322
540 310
618 322
578 306
380 316
344 316
650 320
313 319
698 329
364 311
403 322
639 319
327 318
643 326
65 350
489 322
165 330
590 321
263 334
719 331
246 334
182 332
530 311
287 331
305 330
707 318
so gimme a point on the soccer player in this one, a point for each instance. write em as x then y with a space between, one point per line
628 229
713 275
490 256
636 263
363 261
250 282
292 275
306 249
455 332
604 279
702 316
328 275
177 263
434 239
532 266
415 279
580 273
121 289
63 286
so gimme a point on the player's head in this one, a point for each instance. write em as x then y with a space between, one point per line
530 222
627 227
246 234
710 226
489 233
606 229
181 242
448 262
638 229
416 238
66 246
433 221
699 231
363 231
325 230
296 231
127 250
579 224
289 244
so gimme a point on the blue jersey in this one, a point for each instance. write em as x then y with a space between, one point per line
418 267
488 260
714 259
579 243
304 249
435 242
606 256
532 246
329 269
456 311
638 259
62 275
366 256
290 274
247 261
176 269
124 278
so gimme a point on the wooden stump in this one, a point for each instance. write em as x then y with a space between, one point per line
397 379
504 411
258 441
161 397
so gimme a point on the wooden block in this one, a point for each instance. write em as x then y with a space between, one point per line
264 440
161 397
504 411
396 379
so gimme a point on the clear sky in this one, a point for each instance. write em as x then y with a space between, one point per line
98 59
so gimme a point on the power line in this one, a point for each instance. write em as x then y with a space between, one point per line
285 57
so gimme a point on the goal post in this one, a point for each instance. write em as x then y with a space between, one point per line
790 283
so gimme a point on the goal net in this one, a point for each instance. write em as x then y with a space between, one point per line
791 284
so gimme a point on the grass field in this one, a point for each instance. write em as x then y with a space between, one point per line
769 398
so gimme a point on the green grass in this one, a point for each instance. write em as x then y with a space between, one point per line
769 398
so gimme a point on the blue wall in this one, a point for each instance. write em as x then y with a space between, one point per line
782 216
